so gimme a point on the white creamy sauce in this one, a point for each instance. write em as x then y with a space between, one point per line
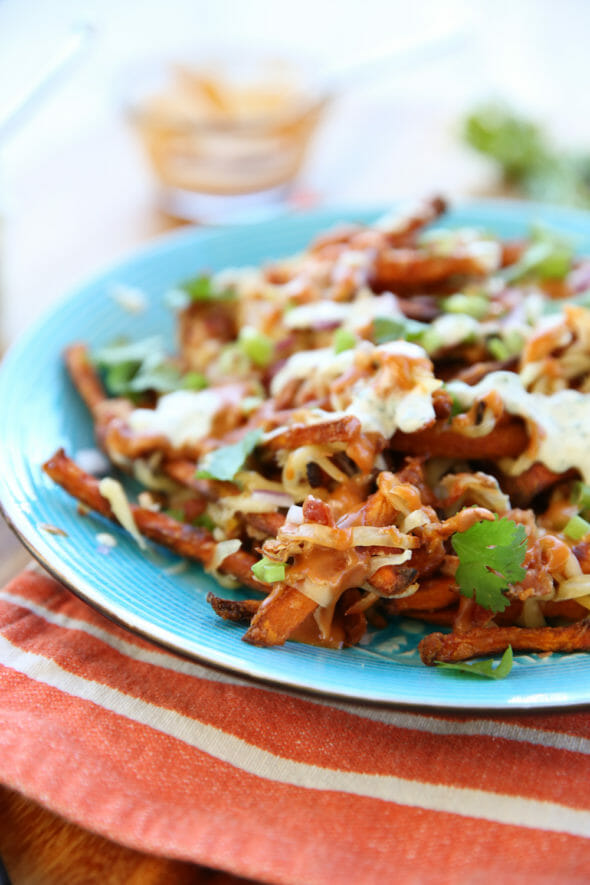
453 328
183 417
563 418
400 410
323 364
353 314
469 241
405 411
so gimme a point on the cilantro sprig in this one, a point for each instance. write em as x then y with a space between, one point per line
491 556
483 668
225 462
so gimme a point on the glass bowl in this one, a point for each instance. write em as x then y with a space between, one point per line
225 136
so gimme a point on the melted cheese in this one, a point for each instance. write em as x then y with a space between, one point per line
182 417
113 491
563 419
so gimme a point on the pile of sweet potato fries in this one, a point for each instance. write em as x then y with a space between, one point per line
337 427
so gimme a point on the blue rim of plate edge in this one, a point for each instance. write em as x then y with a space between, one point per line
320 671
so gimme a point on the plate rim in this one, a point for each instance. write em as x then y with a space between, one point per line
50 558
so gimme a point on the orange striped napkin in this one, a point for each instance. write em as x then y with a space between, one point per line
169 757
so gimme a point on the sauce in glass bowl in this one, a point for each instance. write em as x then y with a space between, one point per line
226 139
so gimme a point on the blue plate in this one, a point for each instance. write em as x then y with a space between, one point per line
40 412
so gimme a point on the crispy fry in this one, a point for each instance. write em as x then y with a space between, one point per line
84 375
473 374
507 440
186 540
241 611
527 485
339 430
433 593
410 268
493 640
278 616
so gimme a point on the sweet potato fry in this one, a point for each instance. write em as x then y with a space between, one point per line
339 430
473 374
241 611
493 640
409 268
186 540
267 523
278 616
527 485
84 375
433 593
507 440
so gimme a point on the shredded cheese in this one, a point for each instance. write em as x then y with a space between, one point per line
113 491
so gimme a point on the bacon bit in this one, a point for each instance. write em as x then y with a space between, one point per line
318 511
582 554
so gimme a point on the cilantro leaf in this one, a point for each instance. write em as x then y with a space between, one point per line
225 462
268 571
490 556
483 668
132 367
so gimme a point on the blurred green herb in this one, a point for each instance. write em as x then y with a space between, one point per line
526 157
131 368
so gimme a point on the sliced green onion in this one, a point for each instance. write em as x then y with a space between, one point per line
194 381
258 347
514 341
344 339
268 571
431 341
581 495
498 349
576 528
549 257
475 305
